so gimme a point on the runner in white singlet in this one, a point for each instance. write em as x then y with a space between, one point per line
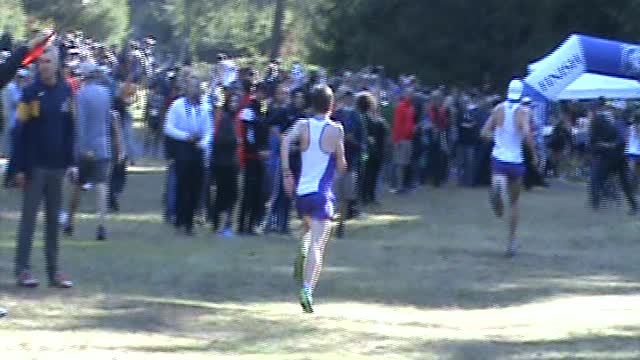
322 146
508 127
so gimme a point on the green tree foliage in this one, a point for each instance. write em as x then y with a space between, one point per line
458 41
12 17
241 27
206 27
106 20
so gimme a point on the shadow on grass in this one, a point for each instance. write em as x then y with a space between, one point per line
589 347
393 257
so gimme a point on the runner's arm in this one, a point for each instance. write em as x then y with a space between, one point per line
489 126
525 126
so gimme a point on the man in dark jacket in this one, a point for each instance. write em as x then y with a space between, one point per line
468 138
608 144
43 153
8 70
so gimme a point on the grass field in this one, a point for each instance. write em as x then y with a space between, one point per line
421 279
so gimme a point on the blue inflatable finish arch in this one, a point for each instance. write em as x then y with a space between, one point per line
577 55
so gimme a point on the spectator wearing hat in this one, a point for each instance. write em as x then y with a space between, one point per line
99 141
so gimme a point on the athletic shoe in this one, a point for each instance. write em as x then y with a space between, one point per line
101 234
68 230
306 301
60 281
25 279
3 312
495 198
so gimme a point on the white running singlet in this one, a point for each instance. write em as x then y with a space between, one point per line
315 161
508 139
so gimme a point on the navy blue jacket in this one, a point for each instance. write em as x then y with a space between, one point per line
45 130
355 138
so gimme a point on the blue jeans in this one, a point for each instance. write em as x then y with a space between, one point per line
466 155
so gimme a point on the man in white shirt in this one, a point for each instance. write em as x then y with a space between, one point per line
190 125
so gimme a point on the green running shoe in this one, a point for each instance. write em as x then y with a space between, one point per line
306 301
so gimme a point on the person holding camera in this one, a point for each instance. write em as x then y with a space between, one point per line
189 124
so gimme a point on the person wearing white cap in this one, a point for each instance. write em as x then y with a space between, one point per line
508 127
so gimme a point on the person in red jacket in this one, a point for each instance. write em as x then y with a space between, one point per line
402 136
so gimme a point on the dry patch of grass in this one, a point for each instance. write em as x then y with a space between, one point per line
421 278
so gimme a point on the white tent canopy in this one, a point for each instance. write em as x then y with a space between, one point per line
593 86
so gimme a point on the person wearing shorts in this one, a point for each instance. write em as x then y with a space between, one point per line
508 127
322 150
97 131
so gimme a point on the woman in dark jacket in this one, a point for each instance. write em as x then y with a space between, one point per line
376 133
225 165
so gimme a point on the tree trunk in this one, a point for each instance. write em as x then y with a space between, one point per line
276 35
